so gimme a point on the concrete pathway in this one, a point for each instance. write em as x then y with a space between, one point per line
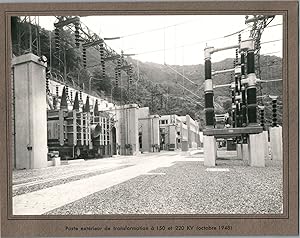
44 200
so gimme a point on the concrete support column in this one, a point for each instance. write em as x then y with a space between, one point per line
155 130
172 137
210 150
132 127
276 142
239 151
266 144
30 112
256 150
245 152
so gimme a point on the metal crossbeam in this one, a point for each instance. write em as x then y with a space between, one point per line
66 22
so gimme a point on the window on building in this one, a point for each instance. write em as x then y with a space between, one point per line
163 122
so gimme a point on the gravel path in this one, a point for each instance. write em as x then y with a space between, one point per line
31 188
187 188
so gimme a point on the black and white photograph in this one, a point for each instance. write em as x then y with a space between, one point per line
147 114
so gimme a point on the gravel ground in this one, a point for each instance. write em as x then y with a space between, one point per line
187 188
27 189
32 175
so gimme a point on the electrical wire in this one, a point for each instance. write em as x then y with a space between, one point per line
157 29
200 42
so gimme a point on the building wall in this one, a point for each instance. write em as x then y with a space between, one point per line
144 131
169 126
148 130
127 129
187 130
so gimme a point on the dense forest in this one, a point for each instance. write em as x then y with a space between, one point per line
154 85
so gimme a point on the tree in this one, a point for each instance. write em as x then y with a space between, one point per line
100 83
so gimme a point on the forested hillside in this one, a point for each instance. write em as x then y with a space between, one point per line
154 85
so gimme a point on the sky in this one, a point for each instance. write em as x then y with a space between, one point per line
177 39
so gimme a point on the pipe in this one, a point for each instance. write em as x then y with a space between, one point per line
267 81
224 48
222 85
222 71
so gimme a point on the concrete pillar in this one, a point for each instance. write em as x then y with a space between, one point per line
245 153
210 150
266 144
172 137
256 150
146 136
30 112
201 138
132 129
276 142
239 151
155 140
185 146
127 129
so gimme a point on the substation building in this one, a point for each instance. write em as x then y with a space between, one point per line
178 132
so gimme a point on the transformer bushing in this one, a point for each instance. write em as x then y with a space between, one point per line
76 102
237 103
243 92
251 89
244 107
63 100
233 106
209 93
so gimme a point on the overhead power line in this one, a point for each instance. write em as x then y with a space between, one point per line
155 29
181 74
203 42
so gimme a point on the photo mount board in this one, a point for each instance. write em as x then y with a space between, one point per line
285 224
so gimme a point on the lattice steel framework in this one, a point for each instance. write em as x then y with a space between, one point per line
28 37
258 23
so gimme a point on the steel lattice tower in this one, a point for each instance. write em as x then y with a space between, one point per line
258 23
28 37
